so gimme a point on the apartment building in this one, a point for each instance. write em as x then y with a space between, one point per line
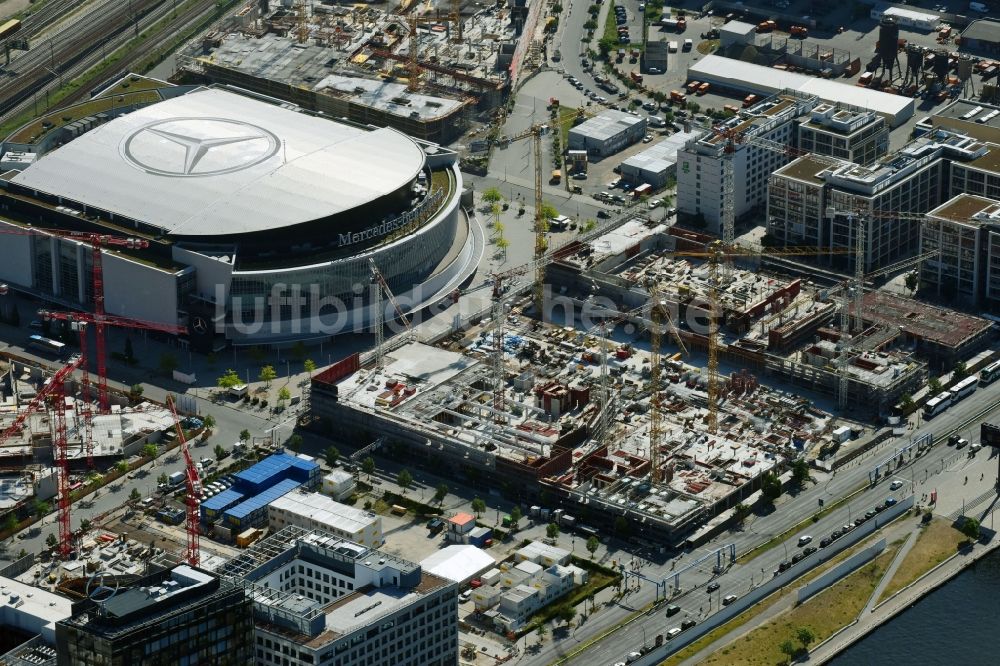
700 161
965 230
844 132
326 601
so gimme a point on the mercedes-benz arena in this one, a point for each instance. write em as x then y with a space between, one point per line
263 221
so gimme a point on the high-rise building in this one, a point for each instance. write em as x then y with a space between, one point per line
177 616
964 230
326 601
700 161
844 132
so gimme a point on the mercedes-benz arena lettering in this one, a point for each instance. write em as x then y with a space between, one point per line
263 221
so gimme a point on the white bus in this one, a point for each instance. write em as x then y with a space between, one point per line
989 373
937 404
39 343
963 388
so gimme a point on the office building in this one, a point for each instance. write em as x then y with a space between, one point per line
313 511
700 161
178 616
325 601
810 199
843 132
967 270
607 133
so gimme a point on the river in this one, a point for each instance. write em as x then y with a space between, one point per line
952 625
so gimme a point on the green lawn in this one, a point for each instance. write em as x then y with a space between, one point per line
824 614
936 543
37 129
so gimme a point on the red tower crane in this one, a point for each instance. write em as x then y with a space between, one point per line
97 243
193 555
56 390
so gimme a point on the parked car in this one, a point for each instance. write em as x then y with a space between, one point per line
728 599
673 633
824 542
687 624
889 501
808 550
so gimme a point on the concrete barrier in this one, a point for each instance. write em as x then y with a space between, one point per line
727 613
844 568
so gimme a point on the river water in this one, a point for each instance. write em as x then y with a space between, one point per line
952 626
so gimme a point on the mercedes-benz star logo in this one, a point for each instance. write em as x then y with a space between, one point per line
200 325
195 147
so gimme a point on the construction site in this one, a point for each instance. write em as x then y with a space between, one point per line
426 69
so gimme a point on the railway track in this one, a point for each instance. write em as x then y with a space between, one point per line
55 58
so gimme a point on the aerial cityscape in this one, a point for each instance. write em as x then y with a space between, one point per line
440 332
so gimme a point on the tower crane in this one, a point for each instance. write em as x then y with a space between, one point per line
98 242
54 390
193 553
383 288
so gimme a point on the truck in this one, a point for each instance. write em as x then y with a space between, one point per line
556 177
641 190
677 97
672 47
635 76
688 44
175 479
799 31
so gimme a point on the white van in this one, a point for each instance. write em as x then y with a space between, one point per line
688 44
672 47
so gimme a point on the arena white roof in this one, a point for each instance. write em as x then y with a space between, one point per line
740 75
214 163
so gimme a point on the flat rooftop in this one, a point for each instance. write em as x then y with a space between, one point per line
968 209
806 169
973 116
661 155
941 326
984 29
325 510
607 124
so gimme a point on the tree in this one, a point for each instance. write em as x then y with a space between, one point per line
284 395
404 479
149 451
478 506
970 528
800 471
51 540
566 613
742 511
309 366
135 392
229 380
787 647
168 363
295 442
209 421
961 371
540 632
912 281
332 454
244 435
770 487
220 452
805 636
85 524
135 495
934 386
906 403
549 211
515 517
267 375
440 492
592 545
502 245
10 522
492 195
121 466
162 478
552 530
368 466
129 353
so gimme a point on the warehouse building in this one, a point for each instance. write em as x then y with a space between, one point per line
319 599
744 77
313 511
907 18
736 32
657 164
981 37
460 563
607 133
